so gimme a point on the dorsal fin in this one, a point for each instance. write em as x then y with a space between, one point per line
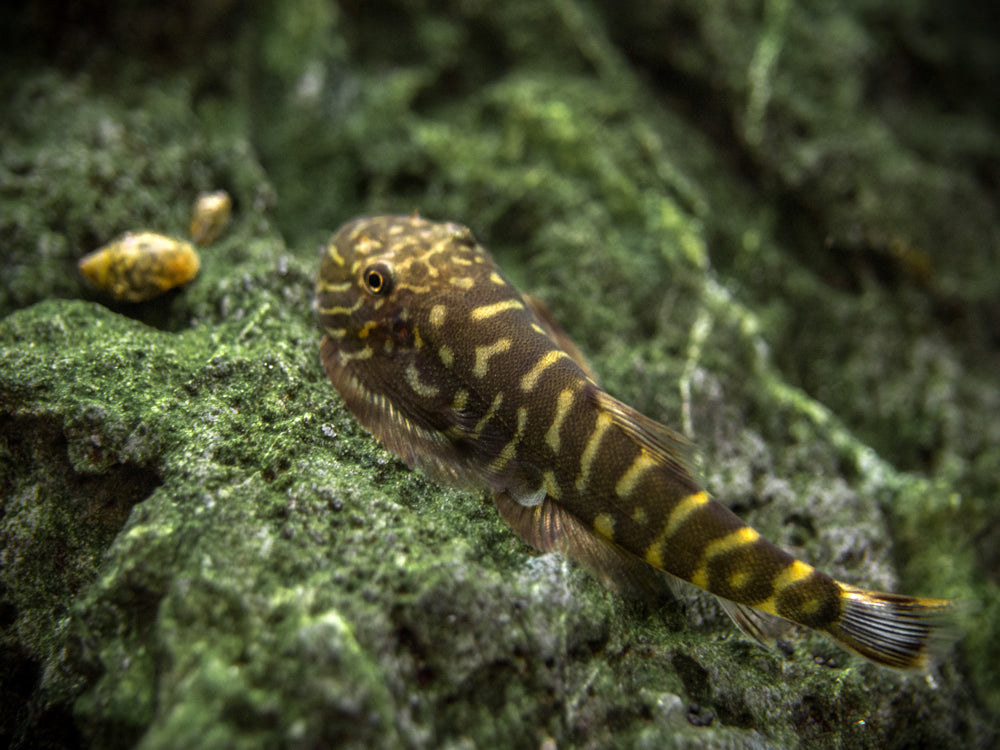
673 448
550 528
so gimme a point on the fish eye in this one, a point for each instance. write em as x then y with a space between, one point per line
377 278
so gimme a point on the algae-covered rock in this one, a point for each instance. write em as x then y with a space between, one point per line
771 226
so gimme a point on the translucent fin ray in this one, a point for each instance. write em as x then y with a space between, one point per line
761 626
901 632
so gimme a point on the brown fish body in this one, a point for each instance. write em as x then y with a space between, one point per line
441 358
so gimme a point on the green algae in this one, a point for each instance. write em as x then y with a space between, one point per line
201 547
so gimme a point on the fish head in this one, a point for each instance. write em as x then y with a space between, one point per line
395 299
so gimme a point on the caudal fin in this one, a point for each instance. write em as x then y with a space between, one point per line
895 631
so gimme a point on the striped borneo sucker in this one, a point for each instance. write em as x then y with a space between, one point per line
452 369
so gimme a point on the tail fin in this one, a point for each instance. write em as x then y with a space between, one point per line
895 631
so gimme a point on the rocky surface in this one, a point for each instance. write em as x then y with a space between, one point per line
771 225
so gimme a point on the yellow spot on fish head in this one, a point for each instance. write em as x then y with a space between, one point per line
367 245
357 250
372 274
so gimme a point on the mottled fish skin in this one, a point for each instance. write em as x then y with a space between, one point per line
451 368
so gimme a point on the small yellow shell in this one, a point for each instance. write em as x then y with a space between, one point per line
209 216
137 267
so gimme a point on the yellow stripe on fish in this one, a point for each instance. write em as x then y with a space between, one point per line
451 368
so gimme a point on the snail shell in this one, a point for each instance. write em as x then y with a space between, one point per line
210 216
139 266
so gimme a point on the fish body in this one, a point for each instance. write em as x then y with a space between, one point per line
450 367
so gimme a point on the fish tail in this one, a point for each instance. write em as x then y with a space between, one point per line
902 632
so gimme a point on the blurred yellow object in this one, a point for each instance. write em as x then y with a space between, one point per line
210 216
139 266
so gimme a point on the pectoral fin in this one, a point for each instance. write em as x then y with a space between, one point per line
762 627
